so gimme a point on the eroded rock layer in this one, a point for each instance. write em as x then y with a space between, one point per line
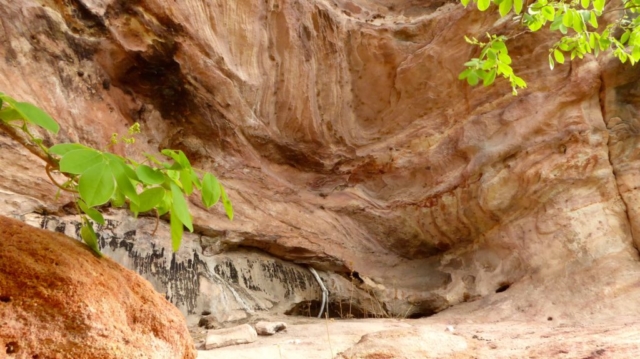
347 143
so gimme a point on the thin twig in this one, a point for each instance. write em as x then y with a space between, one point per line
157 221
47 169
18 137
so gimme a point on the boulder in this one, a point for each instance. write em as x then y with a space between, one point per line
270 328
59 300
241 334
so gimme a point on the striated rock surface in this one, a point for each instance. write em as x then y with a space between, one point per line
205 277
347 143
58 300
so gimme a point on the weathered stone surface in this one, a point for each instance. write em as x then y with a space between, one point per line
231 286
269 328
347 143
430 338
241 334
58 300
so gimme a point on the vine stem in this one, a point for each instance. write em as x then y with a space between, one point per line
157 221
48 169
34 149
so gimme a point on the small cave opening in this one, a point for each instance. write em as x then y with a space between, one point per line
421 314
503 287
344 309
339 309
356 276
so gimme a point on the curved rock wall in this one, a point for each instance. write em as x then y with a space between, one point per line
345 139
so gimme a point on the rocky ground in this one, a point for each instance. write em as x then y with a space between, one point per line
441 338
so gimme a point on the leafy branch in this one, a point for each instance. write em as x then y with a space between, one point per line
97 178
576 20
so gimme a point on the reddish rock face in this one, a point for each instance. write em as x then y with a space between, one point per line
346 141
58 300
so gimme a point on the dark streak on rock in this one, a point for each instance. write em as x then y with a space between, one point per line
181 279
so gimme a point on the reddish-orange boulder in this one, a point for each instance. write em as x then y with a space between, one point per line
58 300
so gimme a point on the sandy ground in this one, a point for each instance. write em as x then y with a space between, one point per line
437 338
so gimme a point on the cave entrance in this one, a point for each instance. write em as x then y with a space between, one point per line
335 309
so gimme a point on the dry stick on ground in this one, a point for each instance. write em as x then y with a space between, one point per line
328 337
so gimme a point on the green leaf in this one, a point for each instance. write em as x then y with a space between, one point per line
150 198
488 64
9 114
505 7
559 56
585 3
535 26
210 190
149 175
165 204
622 56
196 180
488 80
463 75
117 200
563 29
179 206
505 69
551 63
625 37
549 13
176 232
519 82
96 185
228 208
125 186
37 116
504 58
578 25
598 5
64 148
483 4
592 41
593 20
567 19
174 175
187 182
473 78
635 53
181 161
491 55
465 2
499 45
91 212
89 236
517 6
78 161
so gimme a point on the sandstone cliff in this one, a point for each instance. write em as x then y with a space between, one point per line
347 143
